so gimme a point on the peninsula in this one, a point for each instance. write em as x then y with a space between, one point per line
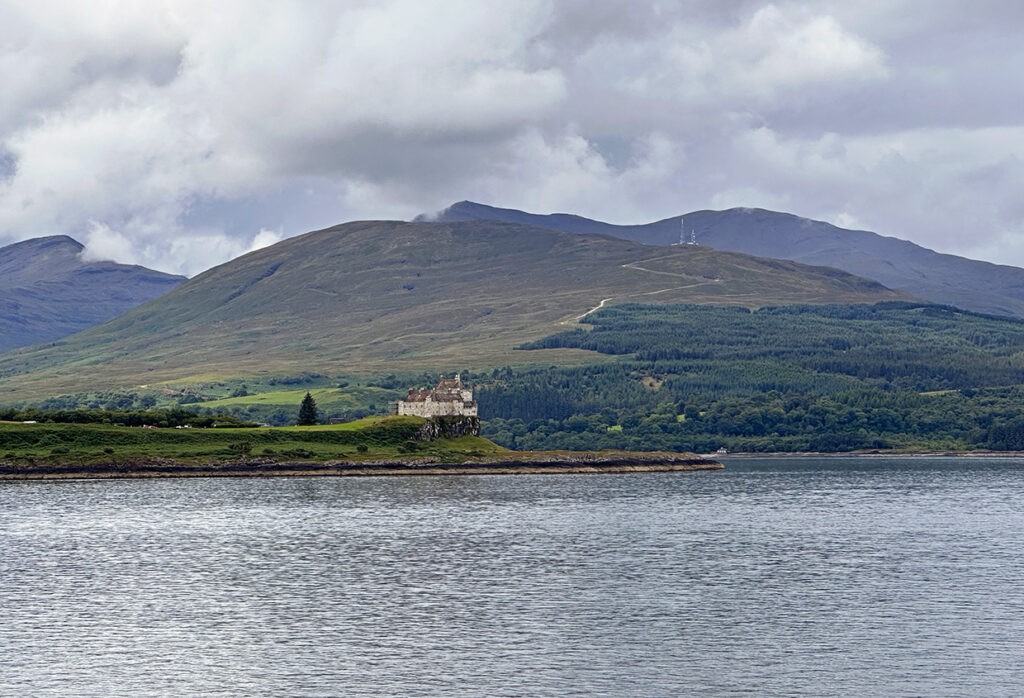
398 445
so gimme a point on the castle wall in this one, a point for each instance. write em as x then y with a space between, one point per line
430 408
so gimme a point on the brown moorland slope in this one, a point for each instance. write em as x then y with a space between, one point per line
388 295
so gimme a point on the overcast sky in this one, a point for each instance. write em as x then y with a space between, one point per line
180 134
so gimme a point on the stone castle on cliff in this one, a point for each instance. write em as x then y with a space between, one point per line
449 399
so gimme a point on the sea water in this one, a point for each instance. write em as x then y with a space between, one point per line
839 576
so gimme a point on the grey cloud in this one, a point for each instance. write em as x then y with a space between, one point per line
179 138
159 68
8 165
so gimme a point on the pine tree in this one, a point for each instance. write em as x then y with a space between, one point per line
308 414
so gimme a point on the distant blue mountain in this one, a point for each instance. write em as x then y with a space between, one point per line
48 292
898 264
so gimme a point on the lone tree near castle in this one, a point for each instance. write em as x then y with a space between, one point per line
308 414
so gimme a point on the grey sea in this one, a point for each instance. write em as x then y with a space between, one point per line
838 576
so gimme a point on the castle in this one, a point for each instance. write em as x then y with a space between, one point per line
449 398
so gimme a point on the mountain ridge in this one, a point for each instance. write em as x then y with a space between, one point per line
47 291
896 263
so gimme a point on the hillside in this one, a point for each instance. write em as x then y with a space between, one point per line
796 378
895 263
386 295
48 292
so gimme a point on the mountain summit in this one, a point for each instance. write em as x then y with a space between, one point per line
897 264
47 291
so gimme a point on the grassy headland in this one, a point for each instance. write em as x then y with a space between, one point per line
380 445
378 437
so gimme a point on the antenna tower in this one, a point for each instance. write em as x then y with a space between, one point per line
682 234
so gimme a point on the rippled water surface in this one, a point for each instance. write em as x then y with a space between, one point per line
774 577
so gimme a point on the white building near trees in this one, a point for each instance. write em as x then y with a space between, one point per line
449 399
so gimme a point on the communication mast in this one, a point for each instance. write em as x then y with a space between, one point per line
682 234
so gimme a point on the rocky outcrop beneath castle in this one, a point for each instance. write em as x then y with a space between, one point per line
449 427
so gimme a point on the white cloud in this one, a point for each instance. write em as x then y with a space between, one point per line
781 51
198 252
771 57
264 238
104 244
844 219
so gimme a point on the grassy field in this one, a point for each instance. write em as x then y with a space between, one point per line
288 398
368 439
343 398
279 407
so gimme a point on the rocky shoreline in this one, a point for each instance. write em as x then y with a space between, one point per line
533 463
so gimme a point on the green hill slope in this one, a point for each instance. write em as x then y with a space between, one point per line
797 378
381 295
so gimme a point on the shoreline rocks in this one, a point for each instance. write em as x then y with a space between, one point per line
512 464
